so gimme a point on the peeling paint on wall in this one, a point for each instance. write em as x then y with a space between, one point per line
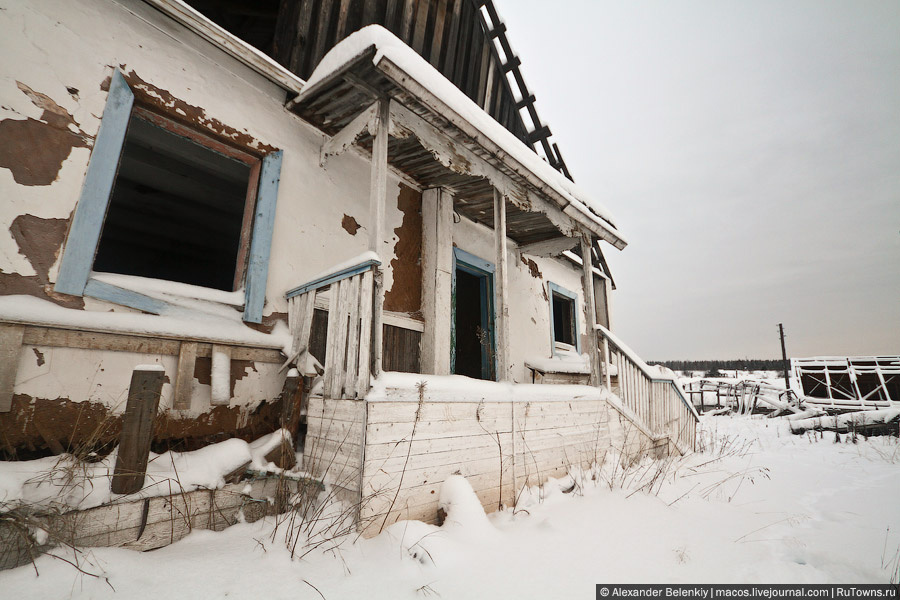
163 101
532 267
39 241
350 225
35 150
239 370
405 294
36 425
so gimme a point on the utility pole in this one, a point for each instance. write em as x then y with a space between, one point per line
784 360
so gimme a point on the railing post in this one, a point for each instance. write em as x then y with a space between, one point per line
377 197
590 309
501 287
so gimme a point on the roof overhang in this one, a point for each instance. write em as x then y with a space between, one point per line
438 147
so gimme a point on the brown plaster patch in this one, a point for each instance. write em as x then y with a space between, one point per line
34 150
405 294
39 356
165 102
39 241
13 283
350 225
532 267
38 427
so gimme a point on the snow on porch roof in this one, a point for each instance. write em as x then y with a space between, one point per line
387 50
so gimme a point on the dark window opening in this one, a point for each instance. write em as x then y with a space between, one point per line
563 319
470 335
870 386
842 386
814 384
176 211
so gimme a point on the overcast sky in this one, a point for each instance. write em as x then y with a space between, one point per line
750 152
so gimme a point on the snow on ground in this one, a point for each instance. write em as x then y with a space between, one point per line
756 505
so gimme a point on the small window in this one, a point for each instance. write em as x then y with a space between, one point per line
563 318
169 202
177 211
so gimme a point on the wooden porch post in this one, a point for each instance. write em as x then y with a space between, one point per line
590 308
437 272
377 198
501 290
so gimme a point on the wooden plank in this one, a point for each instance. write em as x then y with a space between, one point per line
304 333
406 19
437 37
220 393
347 136
90 212
351 370
340 343
501 282
331 359
449 62
10 344
187 357
590 309
418 38
117 295
137 430
342 20
143 343
261 244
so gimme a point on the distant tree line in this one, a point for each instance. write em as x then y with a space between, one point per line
741 364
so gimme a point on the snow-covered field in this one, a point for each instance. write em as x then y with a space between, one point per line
756 505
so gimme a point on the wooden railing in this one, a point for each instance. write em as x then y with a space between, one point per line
657 402
350 338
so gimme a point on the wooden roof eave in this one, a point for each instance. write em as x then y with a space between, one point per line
527 190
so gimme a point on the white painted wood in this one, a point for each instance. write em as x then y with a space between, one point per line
366 295
402 320
551 247
501 288
306 314
220 393
351 370
10 344
331 352
187 358
340 341
377 196
347 136
608 359
590 310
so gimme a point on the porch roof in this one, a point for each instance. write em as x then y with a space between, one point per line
372 64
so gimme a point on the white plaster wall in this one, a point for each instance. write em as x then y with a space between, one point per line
52 45
529 306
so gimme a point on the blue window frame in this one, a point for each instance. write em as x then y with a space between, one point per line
254 213
478 288
563 317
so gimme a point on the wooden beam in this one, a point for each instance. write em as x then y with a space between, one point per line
501 288
551 247
377 199
347 136
187 358
137 429
590 310
10 344
437 270
221 375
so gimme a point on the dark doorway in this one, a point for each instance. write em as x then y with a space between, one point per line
473 319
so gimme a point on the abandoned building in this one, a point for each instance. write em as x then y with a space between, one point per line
358 191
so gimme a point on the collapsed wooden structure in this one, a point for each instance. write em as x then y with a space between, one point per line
847 383
417 140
